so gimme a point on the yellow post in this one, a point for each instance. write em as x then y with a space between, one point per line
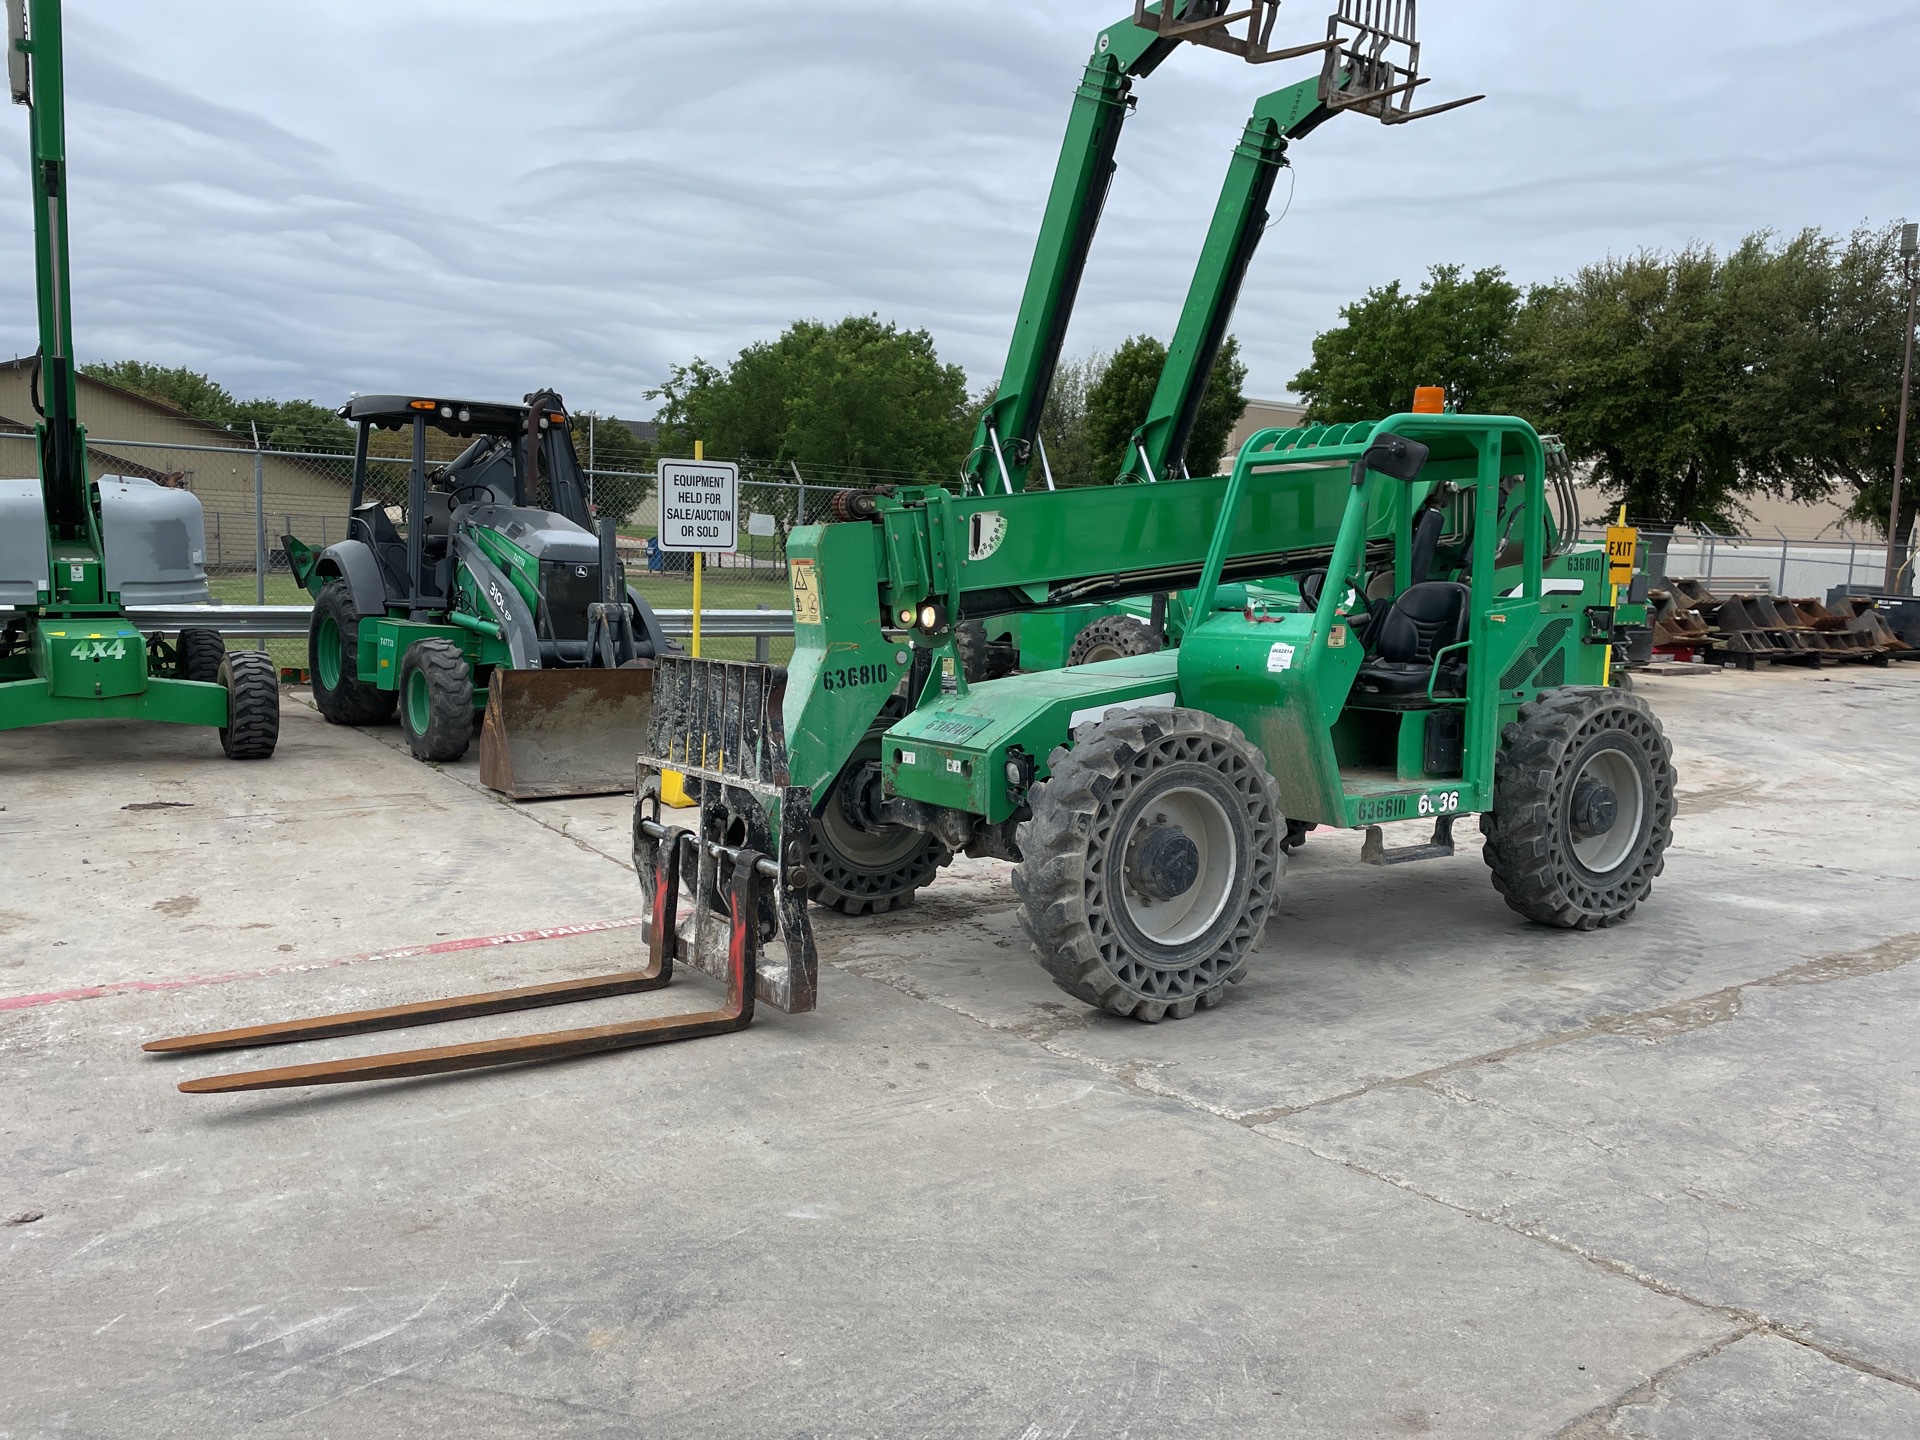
699 453
673 785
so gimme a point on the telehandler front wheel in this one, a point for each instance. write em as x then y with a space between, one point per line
333 662
1582 808
860 868
1151 863
436 700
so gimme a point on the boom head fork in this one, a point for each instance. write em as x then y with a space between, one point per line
1372 64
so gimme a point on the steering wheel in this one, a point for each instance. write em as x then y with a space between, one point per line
485 492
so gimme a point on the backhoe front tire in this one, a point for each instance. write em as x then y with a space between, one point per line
333 659
1112 637
1582 808
1151 863
436 700
201 652
252 684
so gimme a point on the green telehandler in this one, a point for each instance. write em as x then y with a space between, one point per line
483 591
76 550
1143 800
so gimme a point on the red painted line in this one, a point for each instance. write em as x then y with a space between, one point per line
405 952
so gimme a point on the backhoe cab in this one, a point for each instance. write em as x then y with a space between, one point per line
483 589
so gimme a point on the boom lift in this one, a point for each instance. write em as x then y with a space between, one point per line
496 598
75 551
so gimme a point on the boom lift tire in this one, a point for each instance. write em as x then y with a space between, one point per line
201 652
333 638
1152 862
1582 808
253 704
436 700
1112 637
860 869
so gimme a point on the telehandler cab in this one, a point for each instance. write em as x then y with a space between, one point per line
485 591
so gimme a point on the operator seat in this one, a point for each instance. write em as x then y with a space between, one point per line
1423 620
1406 642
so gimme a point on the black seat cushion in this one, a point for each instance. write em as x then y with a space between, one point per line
1424 620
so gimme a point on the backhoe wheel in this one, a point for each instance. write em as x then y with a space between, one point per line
859 868
1582 808
201 652
1110 638
436 700
253 704
333 651
1152 861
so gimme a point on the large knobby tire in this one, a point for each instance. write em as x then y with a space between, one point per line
436 700
861 869
981 658
253 704
1151 862
333 646
201 652
1582 808
1112 637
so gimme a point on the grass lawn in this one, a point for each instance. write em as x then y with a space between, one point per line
238 590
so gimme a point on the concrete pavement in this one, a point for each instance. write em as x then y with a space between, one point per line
1430 1171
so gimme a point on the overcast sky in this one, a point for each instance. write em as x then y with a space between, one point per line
308 199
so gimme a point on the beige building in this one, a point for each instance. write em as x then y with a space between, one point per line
128 434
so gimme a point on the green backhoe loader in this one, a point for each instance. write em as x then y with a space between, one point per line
483 591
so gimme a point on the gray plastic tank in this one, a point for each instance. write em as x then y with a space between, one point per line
23 543
156 542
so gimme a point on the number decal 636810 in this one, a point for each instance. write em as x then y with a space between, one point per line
1445 803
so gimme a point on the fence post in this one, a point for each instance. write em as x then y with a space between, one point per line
762 645
1783 567
259 522
800 501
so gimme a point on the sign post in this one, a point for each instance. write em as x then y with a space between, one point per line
699 512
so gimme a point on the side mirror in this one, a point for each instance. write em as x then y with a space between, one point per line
1393 455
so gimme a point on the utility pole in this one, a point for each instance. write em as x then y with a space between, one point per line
1909 246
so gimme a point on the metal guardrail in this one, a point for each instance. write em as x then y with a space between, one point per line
281 622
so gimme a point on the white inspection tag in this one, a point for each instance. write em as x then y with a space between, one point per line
1280 657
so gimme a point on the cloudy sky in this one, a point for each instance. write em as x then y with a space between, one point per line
306 199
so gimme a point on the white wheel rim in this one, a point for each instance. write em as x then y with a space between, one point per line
1204 821
1607 851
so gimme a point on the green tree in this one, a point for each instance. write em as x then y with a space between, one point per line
1631 363
174 385
1121 393
1221 406
1117 402
858 400
1454 331
280 424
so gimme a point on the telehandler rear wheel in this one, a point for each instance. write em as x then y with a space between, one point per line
1582 808
333 643
1151 863
1112 637
859 868
436 700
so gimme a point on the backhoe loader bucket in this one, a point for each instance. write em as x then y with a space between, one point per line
564 732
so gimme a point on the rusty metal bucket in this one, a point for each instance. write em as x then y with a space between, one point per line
550 733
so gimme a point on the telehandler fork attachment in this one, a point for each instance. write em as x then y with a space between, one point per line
748 874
